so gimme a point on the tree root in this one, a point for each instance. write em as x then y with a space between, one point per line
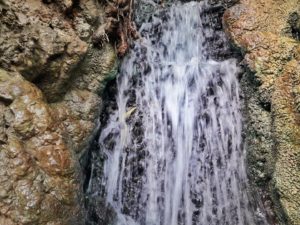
118 26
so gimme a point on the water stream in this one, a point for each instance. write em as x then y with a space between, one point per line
174 145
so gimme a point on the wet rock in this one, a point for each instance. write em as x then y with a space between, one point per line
265 34
37 163
43 44
39 152
51 78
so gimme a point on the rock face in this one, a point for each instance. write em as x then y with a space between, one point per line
50 80
267 33
51 76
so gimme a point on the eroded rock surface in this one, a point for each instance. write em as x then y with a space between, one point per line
267 32
50 80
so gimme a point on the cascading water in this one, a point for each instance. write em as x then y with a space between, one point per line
174 147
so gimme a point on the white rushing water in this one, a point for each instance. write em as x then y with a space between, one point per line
174 147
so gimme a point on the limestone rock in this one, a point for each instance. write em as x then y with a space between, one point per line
37 164
45 43
51 78
264 31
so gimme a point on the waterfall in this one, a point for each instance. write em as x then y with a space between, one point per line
174 152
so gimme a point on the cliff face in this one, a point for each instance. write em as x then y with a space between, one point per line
50 80
267 33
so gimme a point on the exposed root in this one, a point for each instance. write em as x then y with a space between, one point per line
119 26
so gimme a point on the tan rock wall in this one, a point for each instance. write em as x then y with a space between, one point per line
265 35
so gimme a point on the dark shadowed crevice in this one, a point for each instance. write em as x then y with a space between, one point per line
294 22
97 213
